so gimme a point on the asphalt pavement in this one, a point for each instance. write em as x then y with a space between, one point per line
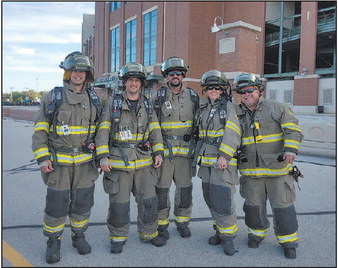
23 201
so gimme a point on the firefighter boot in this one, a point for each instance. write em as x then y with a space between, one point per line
229 248
158 241
116 247
163 231
183 229
290 253
80 243
53 249
215 239
254 241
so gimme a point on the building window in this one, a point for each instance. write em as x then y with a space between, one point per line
288 96
150 38
282 38
273 94
115 50
131 41
328 96
114 6
326 38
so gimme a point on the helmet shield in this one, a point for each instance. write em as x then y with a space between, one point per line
77 61
213 77
173 63
246 79
133 69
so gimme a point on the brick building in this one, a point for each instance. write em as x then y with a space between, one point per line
291 46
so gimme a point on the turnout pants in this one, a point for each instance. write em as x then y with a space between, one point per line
281 193
177 169
218 191
118 184
70 192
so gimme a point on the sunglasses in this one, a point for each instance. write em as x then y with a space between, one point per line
214 87
171 74
249 90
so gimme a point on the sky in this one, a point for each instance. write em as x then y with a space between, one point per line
36 37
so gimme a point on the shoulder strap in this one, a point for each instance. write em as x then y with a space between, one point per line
53 107
94 98
148 106
223 109
194 98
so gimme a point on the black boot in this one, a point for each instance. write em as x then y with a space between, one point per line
80 243
163 231
215 239
183 229
116 247
254 241
290 253
53 249
158 241
229 248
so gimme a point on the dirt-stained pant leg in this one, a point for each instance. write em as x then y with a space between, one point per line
70 193
218 191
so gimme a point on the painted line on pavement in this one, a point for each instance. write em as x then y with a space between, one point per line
14 257
37 226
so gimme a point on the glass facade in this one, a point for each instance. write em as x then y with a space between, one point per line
149 38
130 41
114 5
115 50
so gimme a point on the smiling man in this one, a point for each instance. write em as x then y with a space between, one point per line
63 147
176 106
270 142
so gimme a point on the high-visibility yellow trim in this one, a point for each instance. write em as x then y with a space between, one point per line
211 133
105 125
118 238
227 149
182 219
177 124
291 126
41 126
178 150
228 230
78 224
41 152
233 127
75 130
133 164
148 236
265 171
51 229
261 233
265 139
163 222
287 238
102 150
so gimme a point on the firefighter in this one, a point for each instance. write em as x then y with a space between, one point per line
176 106
219 137
63 146
129 146
270 142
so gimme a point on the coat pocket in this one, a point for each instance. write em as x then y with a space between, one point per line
64 116
111 182
270 160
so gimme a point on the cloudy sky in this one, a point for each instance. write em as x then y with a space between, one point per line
36 38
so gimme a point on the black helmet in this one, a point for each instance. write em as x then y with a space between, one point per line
214 77
78 62
133 69
246 79
173 63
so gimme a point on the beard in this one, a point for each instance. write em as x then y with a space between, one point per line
175 84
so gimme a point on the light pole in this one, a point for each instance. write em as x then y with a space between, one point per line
37 87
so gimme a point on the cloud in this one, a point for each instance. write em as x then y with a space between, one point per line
36 37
